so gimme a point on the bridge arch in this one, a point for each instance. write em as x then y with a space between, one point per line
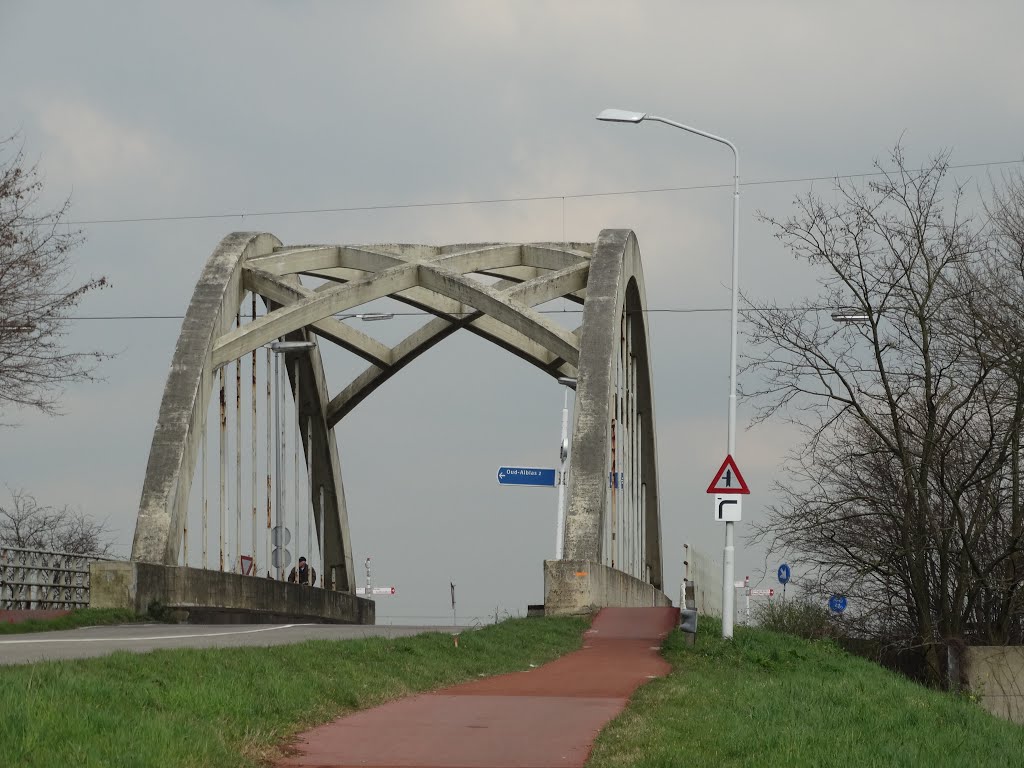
491 290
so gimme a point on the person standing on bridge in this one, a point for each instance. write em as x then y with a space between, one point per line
303 574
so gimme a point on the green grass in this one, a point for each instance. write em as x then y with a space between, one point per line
84 617
236 707
769 699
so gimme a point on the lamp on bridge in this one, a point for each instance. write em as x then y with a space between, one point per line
626 116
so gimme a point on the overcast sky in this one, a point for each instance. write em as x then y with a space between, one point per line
200 109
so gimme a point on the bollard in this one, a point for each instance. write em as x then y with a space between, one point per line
688 624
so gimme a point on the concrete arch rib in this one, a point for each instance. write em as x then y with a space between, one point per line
615 286
182 419
163 508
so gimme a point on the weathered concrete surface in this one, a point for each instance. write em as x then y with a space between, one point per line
996 675
182 418
583 586
197 595
615 287
541 718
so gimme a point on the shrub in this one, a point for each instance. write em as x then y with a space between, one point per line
796 617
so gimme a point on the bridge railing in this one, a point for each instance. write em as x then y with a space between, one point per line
34 579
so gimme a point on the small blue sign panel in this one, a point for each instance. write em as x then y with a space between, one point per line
616 480
837 603
784 573
527 476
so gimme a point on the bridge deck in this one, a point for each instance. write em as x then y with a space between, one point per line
547 716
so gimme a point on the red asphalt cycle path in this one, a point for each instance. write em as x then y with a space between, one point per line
548 716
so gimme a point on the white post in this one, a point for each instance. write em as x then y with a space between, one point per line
278 462
236 562
266 543
298 478
323 539
206 562
309 472
728 562
563 455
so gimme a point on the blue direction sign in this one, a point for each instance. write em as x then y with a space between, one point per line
837 603
784 573
527 476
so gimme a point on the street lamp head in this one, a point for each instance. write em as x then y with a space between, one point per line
851 316
284 347
621 116
567 381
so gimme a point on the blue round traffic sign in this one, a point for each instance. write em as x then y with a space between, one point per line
784 573
837 603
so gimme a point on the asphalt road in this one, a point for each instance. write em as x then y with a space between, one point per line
140 638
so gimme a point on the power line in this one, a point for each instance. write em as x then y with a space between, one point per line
498 200
648 311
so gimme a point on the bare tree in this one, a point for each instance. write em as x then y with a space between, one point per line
26 524
905 491
36 291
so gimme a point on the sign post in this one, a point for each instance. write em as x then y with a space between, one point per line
837 604
727 486
784 575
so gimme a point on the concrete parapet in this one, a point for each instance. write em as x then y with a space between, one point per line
582 586
995 674
197 595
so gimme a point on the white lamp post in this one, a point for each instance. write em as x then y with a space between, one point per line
624 116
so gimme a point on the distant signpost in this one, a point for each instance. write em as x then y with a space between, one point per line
527 476
784 574
837 603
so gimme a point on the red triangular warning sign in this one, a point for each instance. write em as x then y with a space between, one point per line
728 479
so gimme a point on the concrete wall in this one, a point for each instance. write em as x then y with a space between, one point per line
582 586
196 595
996 675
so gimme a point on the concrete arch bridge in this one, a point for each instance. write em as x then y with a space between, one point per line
262 311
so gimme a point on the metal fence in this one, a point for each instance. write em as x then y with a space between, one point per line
32 579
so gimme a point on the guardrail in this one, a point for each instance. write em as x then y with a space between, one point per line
33 579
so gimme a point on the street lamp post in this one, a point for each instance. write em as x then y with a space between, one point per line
282 348
729 566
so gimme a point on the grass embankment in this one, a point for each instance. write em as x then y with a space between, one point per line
234 707
768 699
84 617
